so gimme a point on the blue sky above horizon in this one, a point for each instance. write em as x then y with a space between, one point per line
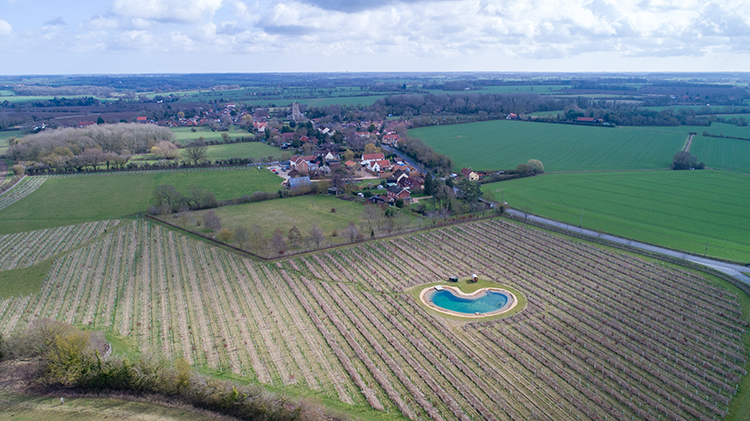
193 36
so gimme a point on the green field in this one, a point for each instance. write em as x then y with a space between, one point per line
4 138
73 200
725 154
230 150
185 135
503 144
677 209
300 211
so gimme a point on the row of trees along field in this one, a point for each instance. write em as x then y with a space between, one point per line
80 147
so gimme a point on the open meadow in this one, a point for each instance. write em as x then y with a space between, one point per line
302 212
602 335
185 135
677 209
258 150
502 144
76 199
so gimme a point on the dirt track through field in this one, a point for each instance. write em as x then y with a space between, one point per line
3 171
688 143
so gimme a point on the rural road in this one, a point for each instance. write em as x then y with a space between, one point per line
728 268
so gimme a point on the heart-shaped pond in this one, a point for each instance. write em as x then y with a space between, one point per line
482 303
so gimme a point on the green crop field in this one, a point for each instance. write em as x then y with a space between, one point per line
725 154
73 200
230 150
677 209
185 135
503 144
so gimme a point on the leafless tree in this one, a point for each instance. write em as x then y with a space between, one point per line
257 239
211 221
277 241
241 236
316 235
370 214
351 232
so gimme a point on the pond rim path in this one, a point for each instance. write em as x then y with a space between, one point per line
730 269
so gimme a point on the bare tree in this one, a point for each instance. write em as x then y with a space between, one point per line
351 232
294 236
257 240
241 236
370 214
316 235
184 217
277 241
211 221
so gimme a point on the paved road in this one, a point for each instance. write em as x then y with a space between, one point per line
728 268
406 159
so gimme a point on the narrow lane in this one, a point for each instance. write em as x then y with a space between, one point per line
728 268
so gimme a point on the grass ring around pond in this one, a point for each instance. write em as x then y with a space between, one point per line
460 297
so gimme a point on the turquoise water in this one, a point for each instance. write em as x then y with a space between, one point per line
484 302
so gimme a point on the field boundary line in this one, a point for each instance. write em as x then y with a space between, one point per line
303 252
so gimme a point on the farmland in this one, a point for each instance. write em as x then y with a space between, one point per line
342 326
677 209
72 200
300 211
725 154
504 144
257 150
185 135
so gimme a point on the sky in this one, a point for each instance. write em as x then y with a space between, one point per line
198 36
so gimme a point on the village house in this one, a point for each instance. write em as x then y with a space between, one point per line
411 183
471 175
304 163
379 166
397 192
368 158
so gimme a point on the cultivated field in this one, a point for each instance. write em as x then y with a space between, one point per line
76 199
726 154
603 336
677 209
502 144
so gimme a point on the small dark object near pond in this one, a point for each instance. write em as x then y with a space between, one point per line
453 279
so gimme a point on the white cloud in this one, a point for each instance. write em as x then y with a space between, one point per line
175 11
5 28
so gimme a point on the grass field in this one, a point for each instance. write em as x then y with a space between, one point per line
73 200
725 154
301 211
504 144
230 150
185 135
676 209
4 137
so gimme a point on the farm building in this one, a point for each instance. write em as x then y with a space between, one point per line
298 182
